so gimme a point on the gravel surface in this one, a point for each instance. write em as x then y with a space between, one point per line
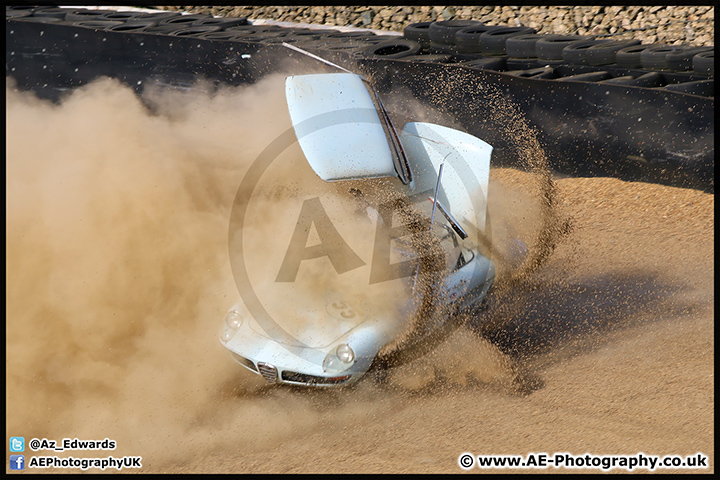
691 25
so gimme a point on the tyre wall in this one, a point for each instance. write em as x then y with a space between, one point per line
647 114
689 25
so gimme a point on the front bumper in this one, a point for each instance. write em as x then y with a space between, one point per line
295 364
273 374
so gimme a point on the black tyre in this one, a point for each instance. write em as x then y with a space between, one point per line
13 14
309 34
468 39
99 24
380 38
83 15
220 35
552 63
56 12
23 8
523 46
541 73
251 29
444 32
487 63
704 62
681 61
224 22
256 34
418 32
586 77
454 50
304 37
629 57
655 58
604 54
439 48
33 18
156 17
393 49
576 52
125 16
551 48
289 38
493 42
352 35
308 31
183 20
646 80
164 29
131 27
194 31
349 47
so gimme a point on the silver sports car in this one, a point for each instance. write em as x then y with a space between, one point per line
431 179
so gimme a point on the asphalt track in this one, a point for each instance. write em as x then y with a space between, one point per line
118 278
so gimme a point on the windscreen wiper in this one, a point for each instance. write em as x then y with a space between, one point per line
451 220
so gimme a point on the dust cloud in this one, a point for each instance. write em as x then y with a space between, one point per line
118 272
118 276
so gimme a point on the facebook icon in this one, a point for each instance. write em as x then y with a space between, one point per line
17 462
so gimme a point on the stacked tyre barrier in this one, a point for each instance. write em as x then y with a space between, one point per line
600 106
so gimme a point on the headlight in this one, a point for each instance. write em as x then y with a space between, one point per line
226 335
345 353
233 319
339 359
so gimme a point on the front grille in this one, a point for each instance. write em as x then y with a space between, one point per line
314 379
269 372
